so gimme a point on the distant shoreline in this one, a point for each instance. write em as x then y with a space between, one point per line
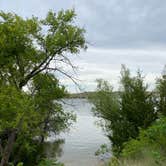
85 95
82 95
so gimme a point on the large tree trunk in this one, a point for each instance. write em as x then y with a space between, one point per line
8 148
10 143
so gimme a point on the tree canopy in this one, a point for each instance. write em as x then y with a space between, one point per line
125 112
27 46
31 50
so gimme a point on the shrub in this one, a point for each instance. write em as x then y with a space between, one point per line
151 143
48 162
124 112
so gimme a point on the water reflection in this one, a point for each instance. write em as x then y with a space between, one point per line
84 138
54 149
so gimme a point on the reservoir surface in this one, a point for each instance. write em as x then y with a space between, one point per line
84 137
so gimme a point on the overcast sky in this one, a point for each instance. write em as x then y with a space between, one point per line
131 32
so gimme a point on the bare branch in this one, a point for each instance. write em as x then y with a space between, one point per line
67 75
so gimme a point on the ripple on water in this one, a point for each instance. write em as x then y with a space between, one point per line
84 138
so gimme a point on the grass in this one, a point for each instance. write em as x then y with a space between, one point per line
148 161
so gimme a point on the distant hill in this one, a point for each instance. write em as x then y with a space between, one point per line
81 95
85 94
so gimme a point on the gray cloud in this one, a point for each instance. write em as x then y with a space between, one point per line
127 23
111 24
132 32
106 64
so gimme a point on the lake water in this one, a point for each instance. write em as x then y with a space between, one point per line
84 137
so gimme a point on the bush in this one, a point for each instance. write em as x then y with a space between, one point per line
151 143
48 162
124 112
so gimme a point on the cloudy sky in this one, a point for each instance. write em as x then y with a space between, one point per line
131 32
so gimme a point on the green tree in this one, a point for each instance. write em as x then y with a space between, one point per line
27 48
137 102
161 93
124 112
149 145
17 115
47 91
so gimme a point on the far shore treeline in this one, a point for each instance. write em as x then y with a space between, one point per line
88 94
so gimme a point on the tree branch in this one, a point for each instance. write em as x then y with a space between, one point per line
67 75
1 148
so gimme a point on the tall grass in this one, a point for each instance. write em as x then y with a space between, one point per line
139 162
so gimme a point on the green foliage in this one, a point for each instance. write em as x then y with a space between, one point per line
150 143
19 164
161 94
47 91
47 162
136 102
149 148
103 149
27 48
114 162
46 116
15 105
125 113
